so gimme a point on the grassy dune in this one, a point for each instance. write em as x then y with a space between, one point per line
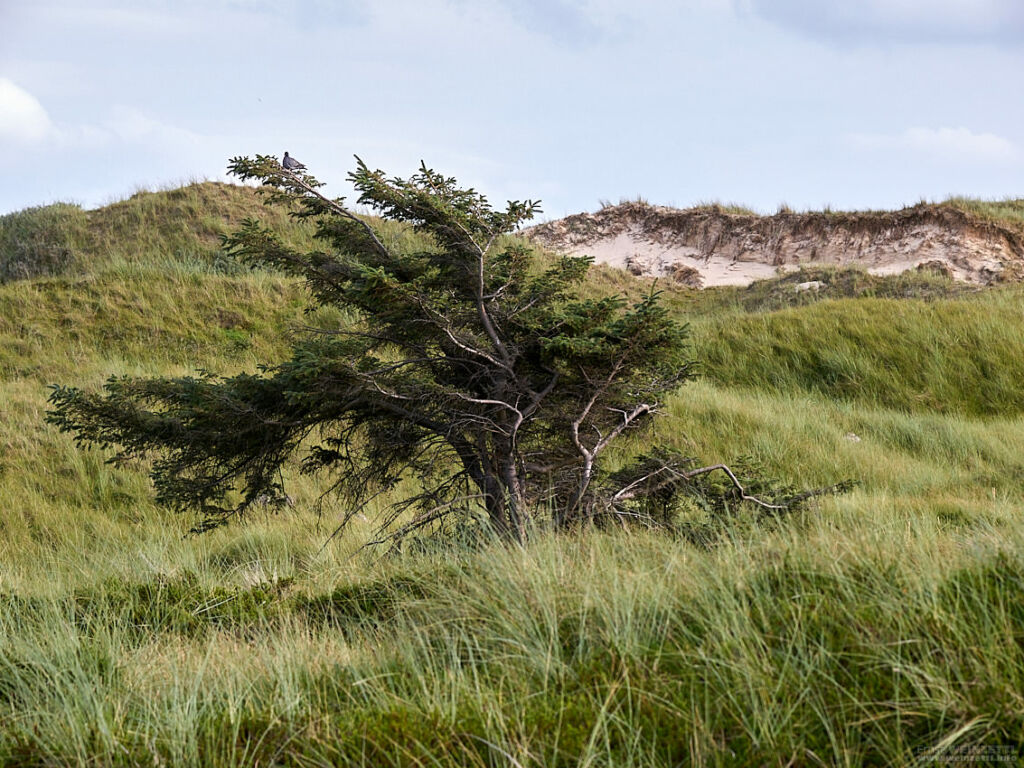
866 630
945 356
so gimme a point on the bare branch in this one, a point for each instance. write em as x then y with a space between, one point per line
676 476
340 210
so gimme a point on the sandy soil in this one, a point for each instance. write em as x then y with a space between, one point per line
709 247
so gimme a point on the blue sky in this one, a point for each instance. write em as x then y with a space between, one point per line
851 103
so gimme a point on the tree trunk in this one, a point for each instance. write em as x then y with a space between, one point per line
504 498
497 506
515 496
575 504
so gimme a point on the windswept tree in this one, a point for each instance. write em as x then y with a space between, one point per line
464 363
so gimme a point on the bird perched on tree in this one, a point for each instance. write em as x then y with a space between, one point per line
291 164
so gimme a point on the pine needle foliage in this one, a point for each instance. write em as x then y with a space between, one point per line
471 368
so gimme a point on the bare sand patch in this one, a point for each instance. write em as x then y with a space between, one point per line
710 246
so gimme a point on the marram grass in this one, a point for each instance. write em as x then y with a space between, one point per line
823 645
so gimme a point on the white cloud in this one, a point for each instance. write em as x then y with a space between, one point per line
131 125
906 20
22 118
952 144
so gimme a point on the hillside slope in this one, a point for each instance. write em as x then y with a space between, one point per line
124 642
708 246
176 224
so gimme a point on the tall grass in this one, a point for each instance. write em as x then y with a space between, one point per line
40 241
182 224
817 644
1006 211
950 356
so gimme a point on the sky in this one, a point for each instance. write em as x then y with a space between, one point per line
809 103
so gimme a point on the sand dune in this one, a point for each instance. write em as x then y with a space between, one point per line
709 246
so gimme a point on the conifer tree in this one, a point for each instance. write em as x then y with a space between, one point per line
465 363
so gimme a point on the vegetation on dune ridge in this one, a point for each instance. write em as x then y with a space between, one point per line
945 356
187 223
122 642
184 224
1008 211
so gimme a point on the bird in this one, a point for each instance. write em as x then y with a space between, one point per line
291 164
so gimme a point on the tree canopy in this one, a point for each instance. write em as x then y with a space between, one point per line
463 361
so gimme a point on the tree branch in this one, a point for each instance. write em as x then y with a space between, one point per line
340 210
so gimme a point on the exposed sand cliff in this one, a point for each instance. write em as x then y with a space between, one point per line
710 246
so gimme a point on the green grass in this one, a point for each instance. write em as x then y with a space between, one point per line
1009 211
50 329
41 241
864 631
717 206
945 356
183 225
601 650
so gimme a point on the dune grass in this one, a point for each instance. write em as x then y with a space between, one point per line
835 642
880 627
1007 211
151 227
963 356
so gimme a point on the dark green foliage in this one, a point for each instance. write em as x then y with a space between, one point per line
468 366
218 429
